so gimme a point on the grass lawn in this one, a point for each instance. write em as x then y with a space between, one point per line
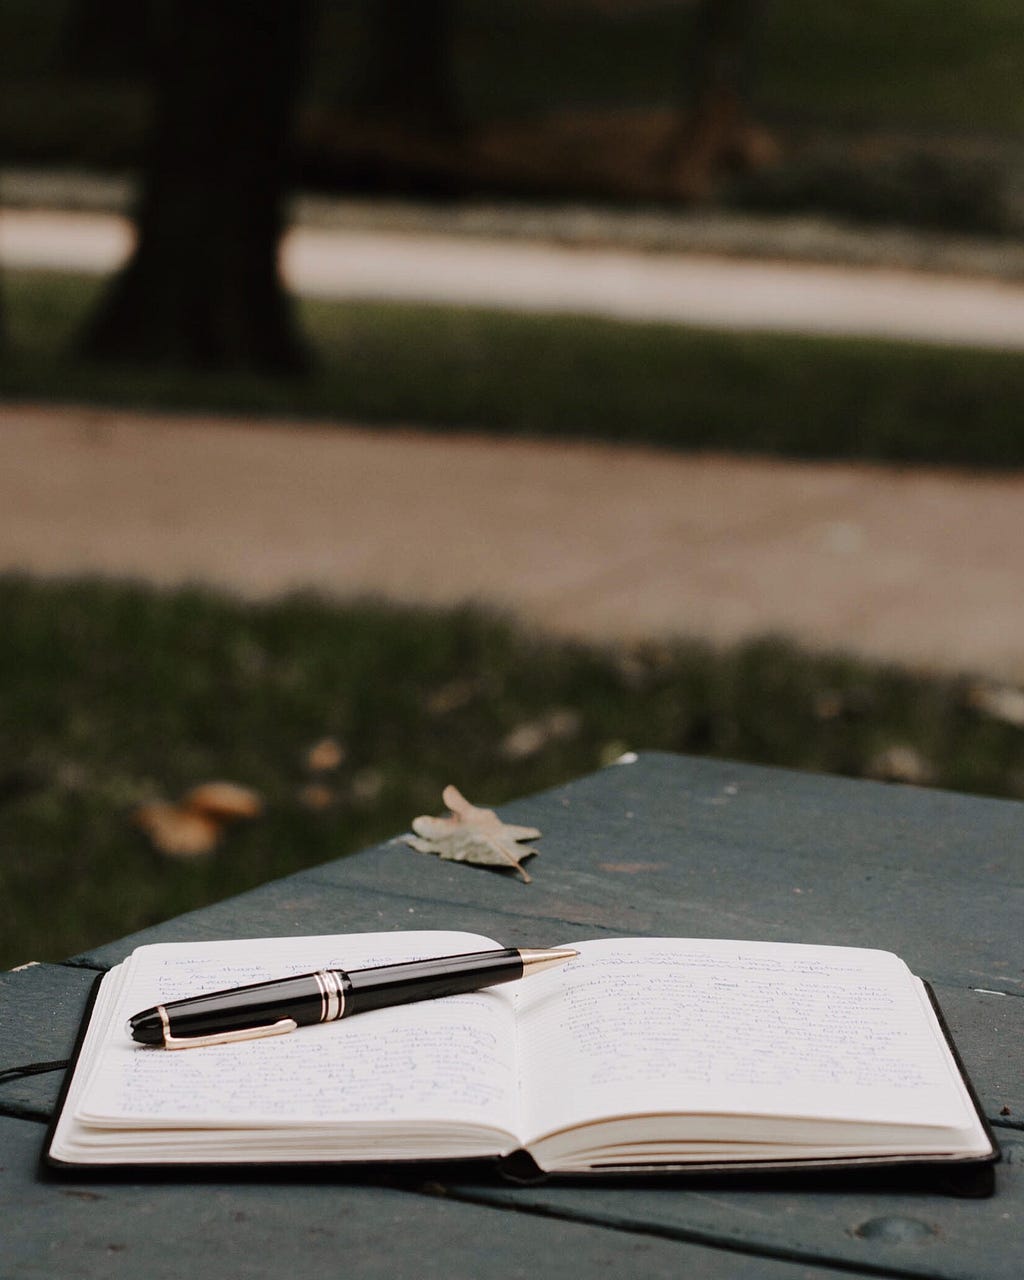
115 694
111 695
880 63
568 376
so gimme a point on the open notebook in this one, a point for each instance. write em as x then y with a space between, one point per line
641 1054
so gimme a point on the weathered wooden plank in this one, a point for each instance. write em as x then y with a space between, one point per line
989 1033
887 1231
697 848
40 1012
310 904
706 848
267 1229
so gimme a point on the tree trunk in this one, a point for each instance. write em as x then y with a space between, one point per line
106 39
202 288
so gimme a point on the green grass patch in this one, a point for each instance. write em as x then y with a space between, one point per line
567 376
876 63
116 694
892 63
901 63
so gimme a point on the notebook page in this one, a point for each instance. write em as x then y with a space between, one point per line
737 1028
440 1060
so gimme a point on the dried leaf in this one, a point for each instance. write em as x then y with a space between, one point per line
316 796
900 763
1000 702
528 739
325 755
193 827
453 696
223 801
472 835
178 832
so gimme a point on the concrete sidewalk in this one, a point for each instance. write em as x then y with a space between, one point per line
597 542
627 284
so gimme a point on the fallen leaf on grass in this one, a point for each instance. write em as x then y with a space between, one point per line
193 827
528 739
223 801
453 696
178 832
325 755
316 796
1000 702
900 763
472 835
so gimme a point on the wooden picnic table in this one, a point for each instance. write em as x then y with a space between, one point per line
660 845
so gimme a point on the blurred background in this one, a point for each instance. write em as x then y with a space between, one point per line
407 393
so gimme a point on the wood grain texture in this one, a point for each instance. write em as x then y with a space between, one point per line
307 1229
684 847
40 1012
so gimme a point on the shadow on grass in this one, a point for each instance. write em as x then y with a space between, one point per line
566 376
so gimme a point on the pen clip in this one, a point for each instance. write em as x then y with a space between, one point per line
279 1028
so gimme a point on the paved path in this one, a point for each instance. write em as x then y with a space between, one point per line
584 540
628 284
591 541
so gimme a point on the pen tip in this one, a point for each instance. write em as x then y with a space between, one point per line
536 959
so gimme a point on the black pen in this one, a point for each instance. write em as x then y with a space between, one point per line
273 1008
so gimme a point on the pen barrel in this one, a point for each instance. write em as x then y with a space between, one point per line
241 1008
429 979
